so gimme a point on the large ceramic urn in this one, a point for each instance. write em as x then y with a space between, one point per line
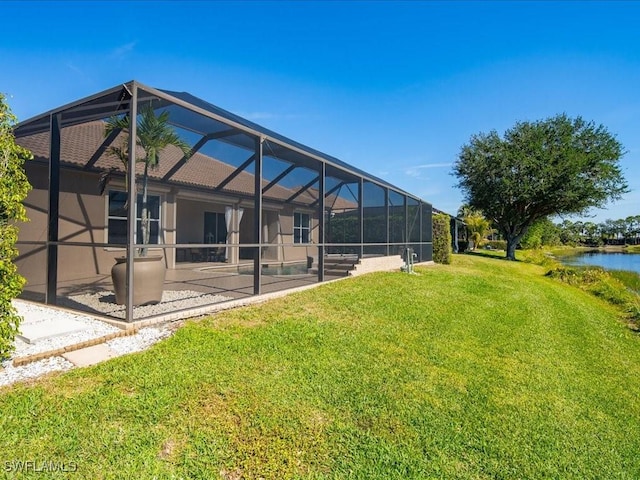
148 280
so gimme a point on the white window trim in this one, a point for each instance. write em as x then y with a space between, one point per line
302 228
161 219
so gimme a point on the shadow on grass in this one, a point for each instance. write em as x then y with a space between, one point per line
496 255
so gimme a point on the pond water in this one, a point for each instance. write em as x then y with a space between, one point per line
606 260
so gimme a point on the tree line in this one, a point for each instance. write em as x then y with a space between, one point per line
624 231
544 232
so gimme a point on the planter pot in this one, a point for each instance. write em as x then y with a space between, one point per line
148 280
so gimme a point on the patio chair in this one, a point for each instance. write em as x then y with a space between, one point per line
217 254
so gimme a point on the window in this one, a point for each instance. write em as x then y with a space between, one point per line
117 218
300 227
215 228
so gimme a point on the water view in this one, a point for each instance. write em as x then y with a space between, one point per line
606 260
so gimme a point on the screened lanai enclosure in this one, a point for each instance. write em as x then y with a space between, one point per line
240 211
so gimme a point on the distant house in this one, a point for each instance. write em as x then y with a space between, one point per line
246 198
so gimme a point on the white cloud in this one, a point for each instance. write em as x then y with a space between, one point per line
416 170
433 165
74 68
122 51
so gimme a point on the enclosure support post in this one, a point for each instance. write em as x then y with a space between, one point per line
406 221
257 218
386 213
53 212
321 222
361 215
132 199
421 206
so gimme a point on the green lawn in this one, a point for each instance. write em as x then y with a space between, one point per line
484 369
630 279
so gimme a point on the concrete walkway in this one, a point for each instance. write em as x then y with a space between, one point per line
90 355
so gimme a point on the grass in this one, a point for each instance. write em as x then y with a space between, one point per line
633 248
630 279
483 369
619 287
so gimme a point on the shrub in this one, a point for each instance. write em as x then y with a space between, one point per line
610 290
539 257
441 238
496 244
630 279
579 276
568 275
601 284
14 187
633 309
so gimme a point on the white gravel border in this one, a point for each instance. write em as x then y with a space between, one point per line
104 303
13 374
36 313
33 313
143 339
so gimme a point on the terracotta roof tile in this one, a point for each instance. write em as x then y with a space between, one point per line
79 143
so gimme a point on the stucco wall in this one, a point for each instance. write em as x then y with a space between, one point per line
190 219
82 218
377 264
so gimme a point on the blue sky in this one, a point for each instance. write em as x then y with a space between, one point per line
395 88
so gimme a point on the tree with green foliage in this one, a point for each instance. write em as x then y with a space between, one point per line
632 228
591 233
465 211
610 231
441 238
570 232
557 166
542 233
14 187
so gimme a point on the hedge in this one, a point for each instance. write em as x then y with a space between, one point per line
441 238
14 187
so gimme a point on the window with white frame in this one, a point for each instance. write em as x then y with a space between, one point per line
301 222
117 218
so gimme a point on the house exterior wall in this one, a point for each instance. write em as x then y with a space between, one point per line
190 218
297 252
82 218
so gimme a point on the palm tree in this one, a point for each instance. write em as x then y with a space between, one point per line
632 228
465 211
590 229
154 134
479 227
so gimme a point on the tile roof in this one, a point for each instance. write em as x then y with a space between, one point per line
80 143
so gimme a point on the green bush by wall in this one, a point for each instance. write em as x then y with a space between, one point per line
441 238
14 187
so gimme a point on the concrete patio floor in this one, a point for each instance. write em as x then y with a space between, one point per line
194 277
